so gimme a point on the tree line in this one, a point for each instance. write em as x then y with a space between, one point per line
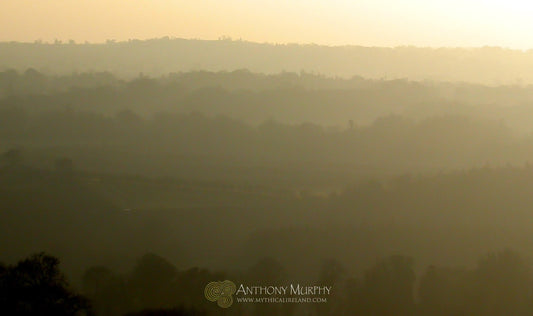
500 284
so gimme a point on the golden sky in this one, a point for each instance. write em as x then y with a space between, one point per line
332 22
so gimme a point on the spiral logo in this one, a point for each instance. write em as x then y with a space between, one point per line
220 292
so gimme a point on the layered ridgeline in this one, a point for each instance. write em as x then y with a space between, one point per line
308 130
99 170
488 65
223 169
256 97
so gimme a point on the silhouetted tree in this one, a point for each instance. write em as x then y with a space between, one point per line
152 282
107 291
388 287
190 286
502 285
332 273
267 271
35 286
444 291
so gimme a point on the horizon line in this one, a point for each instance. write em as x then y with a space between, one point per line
240 40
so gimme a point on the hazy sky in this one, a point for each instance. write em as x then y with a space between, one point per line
365 22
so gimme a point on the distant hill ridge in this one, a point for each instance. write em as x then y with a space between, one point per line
487 65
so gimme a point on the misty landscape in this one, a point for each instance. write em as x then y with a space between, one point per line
390 181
